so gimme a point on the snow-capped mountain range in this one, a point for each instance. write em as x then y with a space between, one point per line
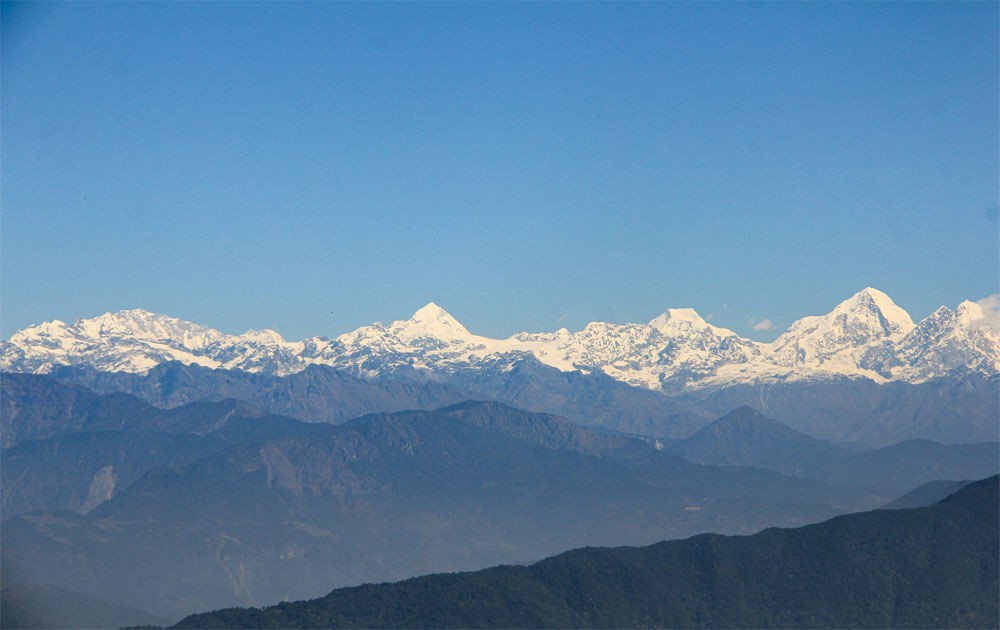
866 336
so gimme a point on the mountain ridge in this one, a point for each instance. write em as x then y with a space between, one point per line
388 496
866 336
869 569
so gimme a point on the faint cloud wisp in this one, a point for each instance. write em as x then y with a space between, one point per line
760 324
991 310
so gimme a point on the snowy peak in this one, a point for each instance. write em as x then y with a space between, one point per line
136 340
673 318
865 336
142 324
947 341
838 340
431 321
874 309
682 320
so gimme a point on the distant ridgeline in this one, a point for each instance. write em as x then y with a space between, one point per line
932 567
865 372
866 336
237 506
153 467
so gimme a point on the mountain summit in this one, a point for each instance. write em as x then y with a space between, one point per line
431 321
866 336
836 339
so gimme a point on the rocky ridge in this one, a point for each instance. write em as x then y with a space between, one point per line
866 336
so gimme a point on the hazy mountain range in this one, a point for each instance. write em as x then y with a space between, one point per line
257 518
156 463
867 336
68 448
930 567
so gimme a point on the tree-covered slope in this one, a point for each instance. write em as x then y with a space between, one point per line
926 567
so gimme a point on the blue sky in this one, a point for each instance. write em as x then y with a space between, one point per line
316 167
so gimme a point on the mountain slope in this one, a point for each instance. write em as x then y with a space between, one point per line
926 495
318 393
324 394
959 409
37 407
393 495
930 567
80 471
744 437
836 341
40 606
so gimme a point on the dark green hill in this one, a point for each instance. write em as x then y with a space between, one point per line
931 567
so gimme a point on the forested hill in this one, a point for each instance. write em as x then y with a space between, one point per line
926 567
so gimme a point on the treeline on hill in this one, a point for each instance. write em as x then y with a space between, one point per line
926 567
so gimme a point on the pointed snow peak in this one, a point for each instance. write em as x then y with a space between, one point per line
432 321
876 307
674 317
430 311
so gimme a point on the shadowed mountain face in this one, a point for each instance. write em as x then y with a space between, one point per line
744 437
956 410
930 567
317 394
66 448
324 394
962 409
38 408
389 496
78 472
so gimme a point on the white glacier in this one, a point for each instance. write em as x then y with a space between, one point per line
866 336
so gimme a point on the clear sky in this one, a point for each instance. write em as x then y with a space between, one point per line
315 167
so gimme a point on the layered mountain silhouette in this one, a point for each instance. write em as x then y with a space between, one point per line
745 437
39 606
933 567
79 461
384 497
927 494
